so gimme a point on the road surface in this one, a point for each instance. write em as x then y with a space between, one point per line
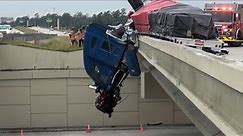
48 31
235 53
164 131
16 31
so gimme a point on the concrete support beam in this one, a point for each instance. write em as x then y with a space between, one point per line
193 113
210 82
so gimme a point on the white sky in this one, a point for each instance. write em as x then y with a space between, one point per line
30 7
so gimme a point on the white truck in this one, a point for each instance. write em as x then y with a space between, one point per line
5 29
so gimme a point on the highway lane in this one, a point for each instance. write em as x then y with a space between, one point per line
48 31
16 31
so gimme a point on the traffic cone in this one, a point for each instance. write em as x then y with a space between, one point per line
88 129
141 128
21 132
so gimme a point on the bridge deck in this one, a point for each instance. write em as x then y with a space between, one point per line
212 83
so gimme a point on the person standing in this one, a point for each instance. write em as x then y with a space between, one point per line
80 37
72 36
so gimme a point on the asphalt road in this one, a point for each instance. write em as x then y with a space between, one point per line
166 131
48 31
235 53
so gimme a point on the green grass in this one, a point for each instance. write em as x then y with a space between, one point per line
26 30
59 43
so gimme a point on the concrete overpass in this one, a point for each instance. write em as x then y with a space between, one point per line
208 88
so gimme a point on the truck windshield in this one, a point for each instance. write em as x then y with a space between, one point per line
220 16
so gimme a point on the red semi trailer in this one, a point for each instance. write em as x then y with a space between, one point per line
141 16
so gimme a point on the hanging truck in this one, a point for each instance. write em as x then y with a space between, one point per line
108 60
110 53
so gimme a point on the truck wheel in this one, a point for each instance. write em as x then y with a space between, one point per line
238 35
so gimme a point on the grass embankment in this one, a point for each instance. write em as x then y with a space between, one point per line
26 30
60 43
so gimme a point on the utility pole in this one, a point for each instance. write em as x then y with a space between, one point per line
58 23
36 18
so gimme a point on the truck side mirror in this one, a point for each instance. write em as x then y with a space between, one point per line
236 17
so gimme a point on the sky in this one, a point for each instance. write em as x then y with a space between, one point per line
14 9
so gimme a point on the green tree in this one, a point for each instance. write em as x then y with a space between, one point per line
77 20
65 20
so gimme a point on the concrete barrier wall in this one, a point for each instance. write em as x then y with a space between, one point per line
16 57
28 37
61 98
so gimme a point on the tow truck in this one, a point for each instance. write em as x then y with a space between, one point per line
228 19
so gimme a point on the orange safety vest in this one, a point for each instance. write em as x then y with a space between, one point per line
72 36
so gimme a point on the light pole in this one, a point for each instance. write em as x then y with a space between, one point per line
57 21
36 18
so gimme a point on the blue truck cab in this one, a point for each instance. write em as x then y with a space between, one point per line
108 60
103 54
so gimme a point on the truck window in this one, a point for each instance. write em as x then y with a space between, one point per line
106 46
222 16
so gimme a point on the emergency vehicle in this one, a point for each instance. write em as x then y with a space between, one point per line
228 19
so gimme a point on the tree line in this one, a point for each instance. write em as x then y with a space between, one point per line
77 20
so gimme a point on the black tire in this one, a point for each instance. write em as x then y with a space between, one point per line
238 35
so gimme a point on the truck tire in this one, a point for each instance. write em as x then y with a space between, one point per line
238 35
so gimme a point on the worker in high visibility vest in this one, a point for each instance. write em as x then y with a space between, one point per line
80 37
72 36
